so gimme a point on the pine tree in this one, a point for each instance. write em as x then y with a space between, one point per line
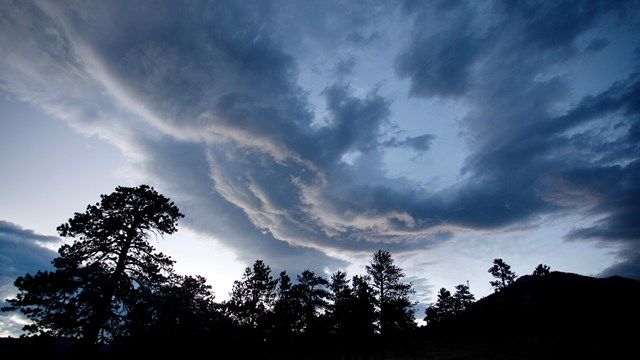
341 297
253 297
311 290
541 270
103 274
463 298
502 272
393 307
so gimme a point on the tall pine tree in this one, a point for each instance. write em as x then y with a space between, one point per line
100 278
394 309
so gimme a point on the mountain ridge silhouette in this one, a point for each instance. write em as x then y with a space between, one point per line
556 316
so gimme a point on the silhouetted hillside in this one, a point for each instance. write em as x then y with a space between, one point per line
560 315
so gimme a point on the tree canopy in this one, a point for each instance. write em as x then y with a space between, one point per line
394 309
253 297
503 274
448 305
100 279
541 270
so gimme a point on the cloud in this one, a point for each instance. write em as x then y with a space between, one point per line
207 101
354 123
440 64
530 155
596 45
344 67
454 46
628 265
420 143
555 26
21 251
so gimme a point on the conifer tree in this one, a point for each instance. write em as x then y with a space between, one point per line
502 272
394 309
253 297
100 278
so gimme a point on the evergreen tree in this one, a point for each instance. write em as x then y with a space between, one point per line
362 309
393 308
312 292
463 298
341 297
253 297
541 270
287 316
448 305
103 274
502 272
184 307
444 307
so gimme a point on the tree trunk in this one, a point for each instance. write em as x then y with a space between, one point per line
102 308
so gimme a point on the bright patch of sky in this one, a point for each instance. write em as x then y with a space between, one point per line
50 171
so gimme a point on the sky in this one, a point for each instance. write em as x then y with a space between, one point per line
310 134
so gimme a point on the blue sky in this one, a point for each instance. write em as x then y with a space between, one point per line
310 134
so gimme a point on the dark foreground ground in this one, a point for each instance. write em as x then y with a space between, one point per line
417 347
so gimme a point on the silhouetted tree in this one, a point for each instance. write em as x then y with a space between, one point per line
444 307
182 307
541 270
362 310
393 308
287 317
448 305
502 272
97 277
399 316
341 297
463 298
312 292
253 297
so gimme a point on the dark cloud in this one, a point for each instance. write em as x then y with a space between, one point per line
440 64
617 198
629 265
361 40
344 67
553 26
420 143
528 160
332 23
456 44
22 251
596 45
354 123
185 57
558 162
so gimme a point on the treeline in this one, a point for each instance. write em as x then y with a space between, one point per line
110 286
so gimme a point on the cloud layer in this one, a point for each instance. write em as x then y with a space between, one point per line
21 251
210 102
